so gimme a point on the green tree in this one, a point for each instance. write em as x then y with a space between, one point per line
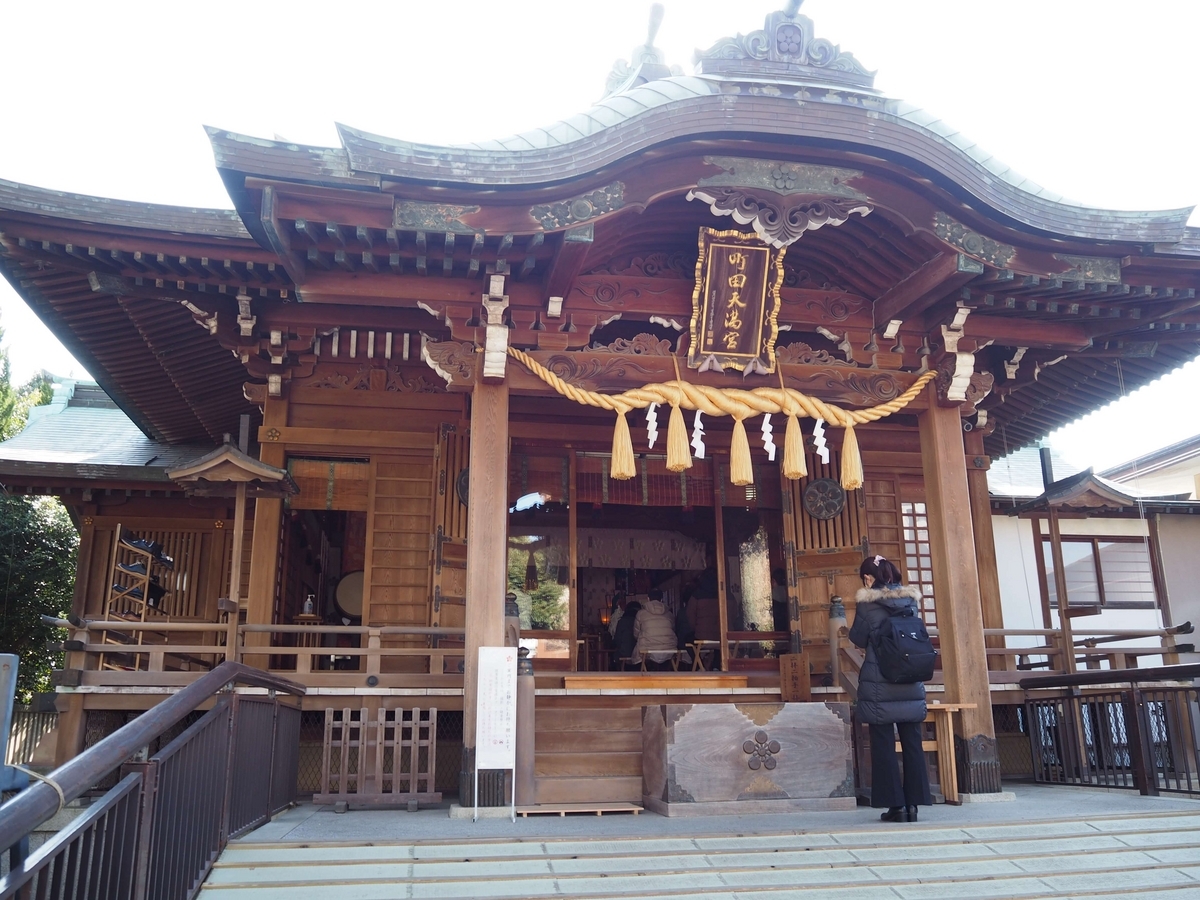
38 545
542 607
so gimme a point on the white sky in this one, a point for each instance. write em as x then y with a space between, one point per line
1092 98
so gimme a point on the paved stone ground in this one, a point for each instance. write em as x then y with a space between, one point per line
1050 843
1033 803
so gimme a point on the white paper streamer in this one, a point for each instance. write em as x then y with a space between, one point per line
651 424
819 440
768 441
698 436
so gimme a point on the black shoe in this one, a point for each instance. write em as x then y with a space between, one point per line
895 814
911 813
157 592
123 590
154 548
133 568
141 544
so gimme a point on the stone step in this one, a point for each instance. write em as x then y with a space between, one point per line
1140 857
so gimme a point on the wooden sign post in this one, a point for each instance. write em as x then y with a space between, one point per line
496 716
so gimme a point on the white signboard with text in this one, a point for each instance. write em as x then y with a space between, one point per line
496 709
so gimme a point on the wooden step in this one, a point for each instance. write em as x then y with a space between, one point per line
658 681
566 789
589 720
597 741
589 764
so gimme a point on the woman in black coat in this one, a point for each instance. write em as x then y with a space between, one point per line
889 708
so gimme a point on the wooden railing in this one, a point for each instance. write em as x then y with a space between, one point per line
310 649
200 646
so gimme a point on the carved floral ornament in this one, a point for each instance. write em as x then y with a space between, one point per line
779 222
973 244
576 210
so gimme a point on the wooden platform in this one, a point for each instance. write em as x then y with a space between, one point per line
652 680
561 809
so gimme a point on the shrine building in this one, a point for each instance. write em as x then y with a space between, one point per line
721 336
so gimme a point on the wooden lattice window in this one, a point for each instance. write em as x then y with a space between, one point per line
918 560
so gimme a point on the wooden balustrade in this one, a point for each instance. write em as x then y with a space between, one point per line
202 645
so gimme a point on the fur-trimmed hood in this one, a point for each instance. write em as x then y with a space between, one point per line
878 595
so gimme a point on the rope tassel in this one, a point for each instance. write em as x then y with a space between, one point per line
794 464
679 457
735 402
622 468
852 470
741 472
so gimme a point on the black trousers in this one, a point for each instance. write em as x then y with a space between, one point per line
887 789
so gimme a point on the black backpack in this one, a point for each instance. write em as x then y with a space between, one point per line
903 649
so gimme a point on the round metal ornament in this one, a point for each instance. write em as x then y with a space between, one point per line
824 498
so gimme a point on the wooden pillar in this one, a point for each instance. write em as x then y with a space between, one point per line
985 544
71 728
83 561
1060 591
957 595
264 552
573 562
722 609
487 564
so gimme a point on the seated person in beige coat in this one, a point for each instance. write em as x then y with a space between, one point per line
654 631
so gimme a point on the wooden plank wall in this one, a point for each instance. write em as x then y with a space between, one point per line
400 525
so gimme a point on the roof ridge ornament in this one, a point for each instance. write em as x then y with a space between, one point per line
786 48
646 61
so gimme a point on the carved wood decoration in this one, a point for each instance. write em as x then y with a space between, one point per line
377 377
801 353
778 222
453 361
639 345
973 244
576 210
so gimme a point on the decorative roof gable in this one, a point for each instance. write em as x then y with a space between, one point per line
785 49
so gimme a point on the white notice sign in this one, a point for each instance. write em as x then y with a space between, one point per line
496 709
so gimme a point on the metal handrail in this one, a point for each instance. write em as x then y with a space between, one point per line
39 802
1184 672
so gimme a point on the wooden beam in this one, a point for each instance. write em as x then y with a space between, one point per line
291 435
568 259
279 238
531 248
1015 332
919 290
448 254
309 230
336 233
